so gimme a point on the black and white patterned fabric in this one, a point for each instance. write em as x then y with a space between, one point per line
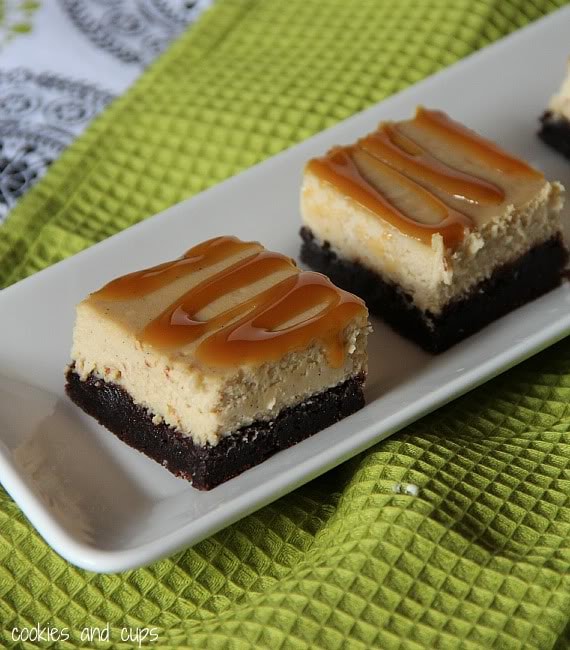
135 31
72 59
40 115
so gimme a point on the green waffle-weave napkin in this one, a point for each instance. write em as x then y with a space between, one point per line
480 556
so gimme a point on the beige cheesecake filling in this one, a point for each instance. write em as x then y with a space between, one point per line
175 385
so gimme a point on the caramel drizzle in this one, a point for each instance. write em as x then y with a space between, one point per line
414 168
407 157
263 327
488 152
338 168
202 256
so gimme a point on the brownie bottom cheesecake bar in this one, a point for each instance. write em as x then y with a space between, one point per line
212 363
439 230
555 121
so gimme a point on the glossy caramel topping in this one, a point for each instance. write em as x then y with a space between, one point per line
339 167
262 334
286 313
140 283
399 151
428 175
460 136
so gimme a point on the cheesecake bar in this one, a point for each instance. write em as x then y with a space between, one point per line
555 121
211 363
437 228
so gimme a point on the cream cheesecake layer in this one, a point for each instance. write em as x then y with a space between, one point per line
429 205
560 102
113 339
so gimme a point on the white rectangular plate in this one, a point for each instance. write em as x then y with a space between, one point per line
106 507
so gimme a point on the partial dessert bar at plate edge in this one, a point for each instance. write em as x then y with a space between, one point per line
437 228
555 121
213 362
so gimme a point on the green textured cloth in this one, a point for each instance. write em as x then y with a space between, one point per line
480 557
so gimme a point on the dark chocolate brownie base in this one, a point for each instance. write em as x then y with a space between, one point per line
209 466
511 286
555 131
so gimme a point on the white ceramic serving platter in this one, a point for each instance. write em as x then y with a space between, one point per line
104 506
